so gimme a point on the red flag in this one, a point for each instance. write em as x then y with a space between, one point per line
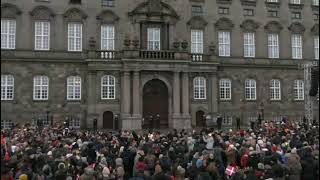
230 170
7 156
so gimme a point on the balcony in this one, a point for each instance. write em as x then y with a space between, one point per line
293 5
108 54
146 54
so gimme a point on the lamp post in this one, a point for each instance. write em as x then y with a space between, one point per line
116 121
158 120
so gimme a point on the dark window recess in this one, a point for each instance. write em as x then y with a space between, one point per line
223 10
296 15
316 16
109 3
248 12
273 13
75 1
196 9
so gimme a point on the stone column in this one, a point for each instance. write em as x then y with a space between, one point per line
176 94
125 96
186 100
135 94
214 93
91 89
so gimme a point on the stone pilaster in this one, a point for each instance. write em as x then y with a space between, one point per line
92 97
176 94
214 93
125 100
185 101
136 114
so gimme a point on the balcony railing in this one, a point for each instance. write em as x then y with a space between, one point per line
146 54
197 57
107 54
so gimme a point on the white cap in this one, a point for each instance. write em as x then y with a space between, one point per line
49 153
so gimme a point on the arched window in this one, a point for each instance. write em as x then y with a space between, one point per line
7 87
40 88
199 91
108 85
275 89
250 89
225 89
74 88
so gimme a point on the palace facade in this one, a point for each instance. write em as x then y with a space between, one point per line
135 64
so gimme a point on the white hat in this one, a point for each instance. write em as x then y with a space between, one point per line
105 172
251 149
260 142
49 153
294 150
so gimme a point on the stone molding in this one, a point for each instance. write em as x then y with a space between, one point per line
224 24
297 27
107 16
249 25
197 22
248 2
42 13
273 27
10 11
75 14
315 29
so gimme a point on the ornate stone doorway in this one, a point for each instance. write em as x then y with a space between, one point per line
108 120
200 119
155 104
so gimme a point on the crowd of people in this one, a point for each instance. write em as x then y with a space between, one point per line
271 151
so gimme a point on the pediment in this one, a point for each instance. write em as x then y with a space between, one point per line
297 27
273 27
75 14
249 25
197 22
154 10
315 29
42 12
9 11
107 16
224 24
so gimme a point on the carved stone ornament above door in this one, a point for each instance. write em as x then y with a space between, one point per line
297 28
249 25
273 27
197 22
10 11
42 13
224 24
154 10
75 14
107 16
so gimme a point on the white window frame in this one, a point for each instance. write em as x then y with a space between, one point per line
108 87
227 120
298 90
315 2
7 87
249 45
316 47
107 37
296 46
74 88
74 122
275 90
199 88
42 88
154 39
273 45
74 38
224 43
6 124
225 89
41 36
8 33
196 41
295 1
273 1
250 89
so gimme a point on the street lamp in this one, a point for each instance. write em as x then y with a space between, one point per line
116 119
158 120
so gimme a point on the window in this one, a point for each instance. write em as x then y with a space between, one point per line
224 43
6 124
273 45
275 89
74 122
273 13
108 85
75 1
7 87
74 37
196 9
74 88
298 90
296 40
225 89
227 120
250 89
248 12
109 3
223 10
154 39
8 34
107 37
199 84
197 41
316 47
316 17
272 1
296 15
40 87
249 44
315 2
295 2
42 35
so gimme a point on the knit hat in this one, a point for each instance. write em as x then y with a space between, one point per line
180 170
294 150
105 172
119 162
61 165
261 166
23 177
49 153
